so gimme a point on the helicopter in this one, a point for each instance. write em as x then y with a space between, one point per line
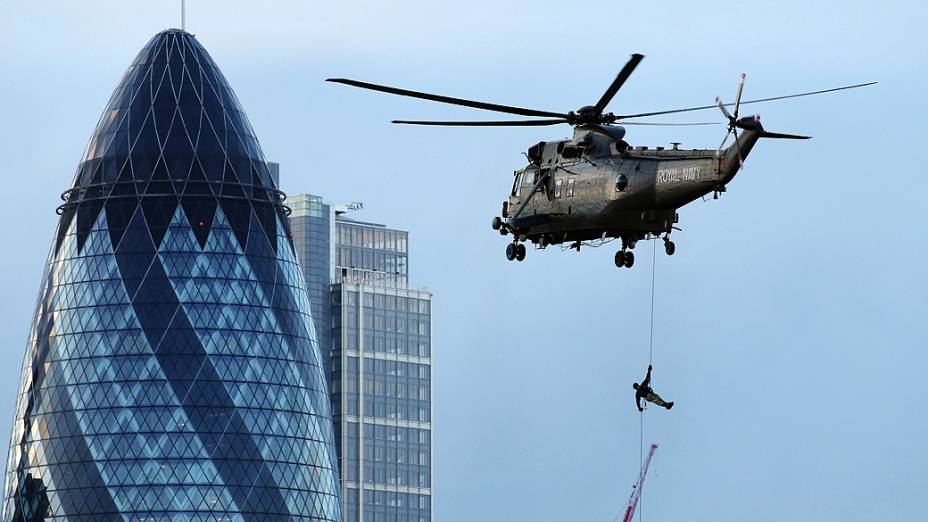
595 186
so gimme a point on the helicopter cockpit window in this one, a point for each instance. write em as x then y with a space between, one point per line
517 183
621 183
557 188
570 187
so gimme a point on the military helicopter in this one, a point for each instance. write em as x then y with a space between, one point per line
595 186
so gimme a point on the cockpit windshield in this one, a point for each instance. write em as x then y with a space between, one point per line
517 183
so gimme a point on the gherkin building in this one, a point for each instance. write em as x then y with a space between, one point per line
172 371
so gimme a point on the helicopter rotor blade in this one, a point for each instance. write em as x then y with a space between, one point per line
448 99
659 124
619 80
722 145
781 136
723 109
536 123
504 123
738 96
704 107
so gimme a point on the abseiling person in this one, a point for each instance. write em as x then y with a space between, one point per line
644 391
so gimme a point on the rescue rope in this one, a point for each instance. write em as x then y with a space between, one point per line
650 361
640 461
653 270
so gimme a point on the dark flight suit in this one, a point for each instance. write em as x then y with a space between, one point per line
645 392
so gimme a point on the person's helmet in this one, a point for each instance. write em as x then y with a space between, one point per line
635 386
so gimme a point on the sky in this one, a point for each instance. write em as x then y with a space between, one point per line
789 327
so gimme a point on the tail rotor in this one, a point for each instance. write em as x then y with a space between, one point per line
732 118
735 123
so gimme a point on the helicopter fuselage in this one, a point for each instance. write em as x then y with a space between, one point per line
602 189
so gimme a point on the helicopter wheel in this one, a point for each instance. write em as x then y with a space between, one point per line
629 259
497 223
620 258
669 247
520 252
511 251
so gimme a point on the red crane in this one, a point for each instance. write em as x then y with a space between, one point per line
636 490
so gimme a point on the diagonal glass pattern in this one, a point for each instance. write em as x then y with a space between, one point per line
172 370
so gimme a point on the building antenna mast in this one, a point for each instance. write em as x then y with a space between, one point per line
183 15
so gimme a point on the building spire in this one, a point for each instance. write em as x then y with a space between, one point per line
183 15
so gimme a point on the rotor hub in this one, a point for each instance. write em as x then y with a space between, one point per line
588 114
587 110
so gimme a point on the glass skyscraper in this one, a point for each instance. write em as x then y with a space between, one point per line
380 346
172 370
313 230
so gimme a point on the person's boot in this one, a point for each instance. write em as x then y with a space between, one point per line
670 405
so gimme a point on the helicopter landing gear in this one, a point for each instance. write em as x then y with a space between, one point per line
624 258
669 246
515 251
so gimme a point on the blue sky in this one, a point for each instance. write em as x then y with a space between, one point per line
789 325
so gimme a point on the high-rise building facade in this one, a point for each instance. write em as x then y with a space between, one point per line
312 224
172 371
380 345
